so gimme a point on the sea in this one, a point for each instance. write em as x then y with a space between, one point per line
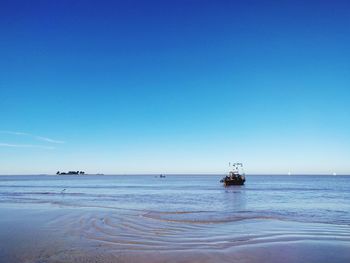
189 212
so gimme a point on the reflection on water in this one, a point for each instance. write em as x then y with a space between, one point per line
235 198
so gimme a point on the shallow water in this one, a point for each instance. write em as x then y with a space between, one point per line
192 214
324 199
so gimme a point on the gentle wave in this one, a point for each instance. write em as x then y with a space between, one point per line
119 202
301 199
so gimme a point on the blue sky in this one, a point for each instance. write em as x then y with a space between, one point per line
174 86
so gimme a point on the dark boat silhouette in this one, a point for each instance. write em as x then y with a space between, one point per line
234 177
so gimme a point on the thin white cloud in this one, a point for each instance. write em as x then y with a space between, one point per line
15 133
45 139
39 138
26 146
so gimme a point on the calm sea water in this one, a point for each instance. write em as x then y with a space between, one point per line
174 219
314 199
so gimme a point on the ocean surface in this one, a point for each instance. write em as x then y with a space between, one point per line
188 212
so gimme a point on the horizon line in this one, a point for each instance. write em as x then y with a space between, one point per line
181 174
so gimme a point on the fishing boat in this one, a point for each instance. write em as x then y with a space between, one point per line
235 177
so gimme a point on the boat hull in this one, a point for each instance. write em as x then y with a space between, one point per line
233 181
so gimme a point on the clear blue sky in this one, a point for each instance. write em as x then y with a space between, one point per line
174 86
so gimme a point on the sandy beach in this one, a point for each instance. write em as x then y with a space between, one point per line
67 235
125 219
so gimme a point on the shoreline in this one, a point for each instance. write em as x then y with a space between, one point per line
98 235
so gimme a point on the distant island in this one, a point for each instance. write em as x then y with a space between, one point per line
71 173
75 173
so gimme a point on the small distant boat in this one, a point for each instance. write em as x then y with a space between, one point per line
162 176
235 177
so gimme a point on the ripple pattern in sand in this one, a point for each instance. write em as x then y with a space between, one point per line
190 231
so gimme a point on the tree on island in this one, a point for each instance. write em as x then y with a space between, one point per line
71 172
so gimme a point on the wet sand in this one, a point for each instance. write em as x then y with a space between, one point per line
100 235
